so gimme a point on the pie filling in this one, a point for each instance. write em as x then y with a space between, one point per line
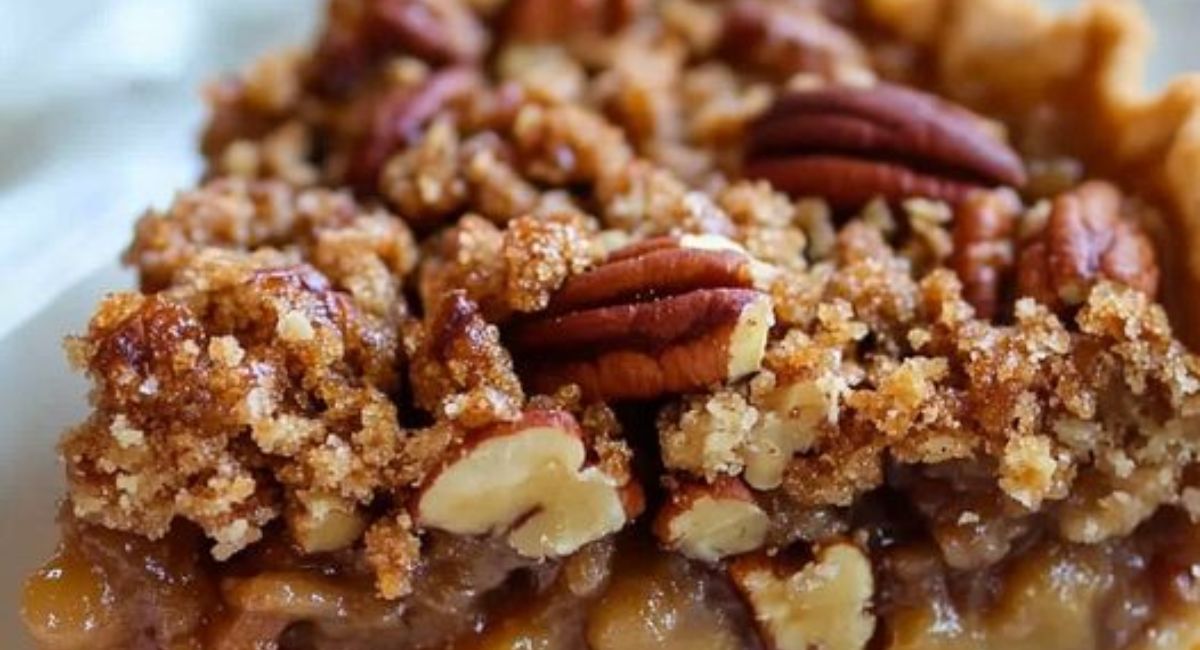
630 324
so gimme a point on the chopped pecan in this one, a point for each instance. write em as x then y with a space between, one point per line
359 34
785 38
460 372
546 20
396 118
1086 239
535 481
983 247
710 521
438 31
661 266
660 317
852 144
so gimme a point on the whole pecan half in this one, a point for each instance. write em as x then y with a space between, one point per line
1086 239
668 315
785 38
984 226
396 118
851 144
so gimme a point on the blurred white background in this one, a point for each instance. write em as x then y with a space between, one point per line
99 110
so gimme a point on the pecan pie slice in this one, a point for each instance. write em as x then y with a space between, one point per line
621 324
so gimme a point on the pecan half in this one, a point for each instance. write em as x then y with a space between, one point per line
396 118
984 225
785 38
1086 240
852 144
662 316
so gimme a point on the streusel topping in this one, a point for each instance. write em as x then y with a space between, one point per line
469 288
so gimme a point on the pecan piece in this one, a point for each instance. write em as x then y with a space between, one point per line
555 20
785 38
438 31
536 481
661 317
661 266
397 117
460 372
983 247
1086 240
851 144
358 35
710 521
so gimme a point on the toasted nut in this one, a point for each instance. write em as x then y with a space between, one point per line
786 38
438 31
393 550
711 521
460 372
672 345
394 117
890 141
666 315
528 481
824 605
847 182
542 20
1086 240
791 417
359 35
262 606
325 522
663 266
984 226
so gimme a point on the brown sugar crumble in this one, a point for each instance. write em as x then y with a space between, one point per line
512 323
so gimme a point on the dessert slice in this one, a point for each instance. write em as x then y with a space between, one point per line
761 324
